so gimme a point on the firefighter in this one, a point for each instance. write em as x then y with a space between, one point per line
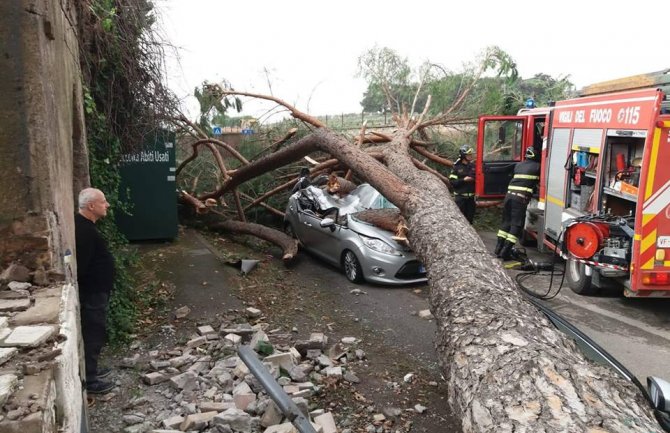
521 188
463 180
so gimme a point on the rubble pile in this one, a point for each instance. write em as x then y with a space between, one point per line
206 387
29 346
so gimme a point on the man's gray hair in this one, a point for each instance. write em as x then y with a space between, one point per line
88 195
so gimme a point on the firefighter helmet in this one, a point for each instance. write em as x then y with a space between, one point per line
530 153
465 150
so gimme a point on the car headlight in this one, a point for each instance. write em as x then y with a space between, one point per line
379 245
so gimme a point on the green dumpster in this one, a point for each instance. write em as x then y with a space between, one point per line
148 186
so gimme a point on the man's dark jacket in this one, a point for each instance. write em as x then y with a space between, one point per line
459 172
95 264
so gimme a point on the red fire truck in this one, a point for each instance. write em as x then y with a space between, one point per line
604 193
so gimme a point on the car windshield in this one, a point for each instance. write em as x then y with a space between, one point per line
362 198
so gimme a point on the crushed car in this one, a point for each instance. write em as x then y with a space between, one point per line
344 230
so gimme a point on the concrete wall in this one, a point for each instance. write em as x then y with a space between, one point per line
43 163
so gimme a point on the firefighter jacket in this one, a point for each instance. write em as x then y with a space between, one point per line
525 180
458 173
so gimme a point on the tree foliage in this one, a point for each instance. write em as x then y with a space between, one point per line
214 106
388 76
125 99
490 85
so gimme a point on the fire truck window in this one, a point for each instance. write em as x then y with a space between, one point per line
537 135
502 140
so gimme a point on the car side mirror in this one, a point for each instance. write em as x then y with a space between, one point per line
659 393
328 222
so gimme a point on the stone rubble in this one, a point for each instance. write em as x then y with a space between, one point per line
29 346
426 314
209 389
206 386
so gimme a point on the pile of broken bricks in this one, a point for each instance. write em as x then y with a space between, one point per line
29 327
208 388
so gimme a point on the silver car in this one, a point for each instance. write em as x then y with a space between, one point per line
327 226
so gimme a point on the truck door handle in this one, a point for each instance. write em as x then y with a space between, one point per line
307 224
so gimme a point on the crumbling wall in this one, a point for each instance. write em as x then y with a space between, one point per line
43 163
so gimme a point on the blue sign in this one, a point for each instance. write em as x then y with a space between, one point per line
247 131
216 130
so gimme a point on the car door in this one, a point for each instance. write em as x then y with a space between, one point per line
323 241
499 148
304 228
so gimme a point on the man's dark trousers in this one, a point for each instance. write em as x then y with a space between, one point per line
467 205
514 217
94 330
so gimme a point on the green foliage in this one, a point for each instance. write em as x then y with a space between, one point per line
542 88
121 61
122 65
490 85
104 150
214 105
389 78
488 219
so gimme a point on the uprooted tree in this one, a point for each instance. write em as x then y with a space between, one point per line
507 368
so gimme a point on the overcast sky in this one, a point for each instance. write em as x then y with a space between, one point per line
308 50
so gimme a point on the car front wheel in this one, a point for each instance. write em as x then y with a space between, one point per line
352 267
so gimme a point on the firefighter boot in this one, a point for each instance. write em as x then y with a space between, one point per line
499 246
506 251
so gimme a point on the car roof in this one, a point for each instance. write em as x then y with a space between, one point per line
363 197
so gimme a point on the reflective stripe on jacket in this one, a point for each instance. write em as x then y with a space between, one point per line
526 178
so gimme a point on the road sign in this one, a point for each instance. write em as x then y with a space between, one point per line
247 131
216 130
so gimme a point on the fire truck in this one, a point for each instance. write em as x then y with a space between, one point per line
603 203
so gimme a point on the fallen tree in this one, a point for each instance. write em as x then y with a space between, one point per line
506 367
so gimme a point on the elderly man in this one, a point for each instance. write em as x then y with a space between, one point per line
95 275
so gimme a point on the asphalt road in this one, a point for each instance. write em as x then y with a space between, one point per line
391 311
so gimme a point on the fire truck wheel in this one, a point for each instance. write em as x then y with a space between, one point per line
578 281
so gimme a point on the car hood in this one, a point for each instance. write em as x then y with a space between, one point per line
370 230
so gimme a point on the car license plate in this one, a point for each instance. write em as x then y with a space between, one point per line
422 269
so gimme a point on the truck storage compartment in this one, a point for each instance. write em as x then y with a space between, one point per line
623 161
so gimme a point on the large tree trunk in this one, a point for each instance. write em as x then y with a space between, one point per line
507 368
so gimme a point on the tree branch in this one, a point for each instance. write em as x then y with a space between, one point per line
417 125
435 158
294 111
